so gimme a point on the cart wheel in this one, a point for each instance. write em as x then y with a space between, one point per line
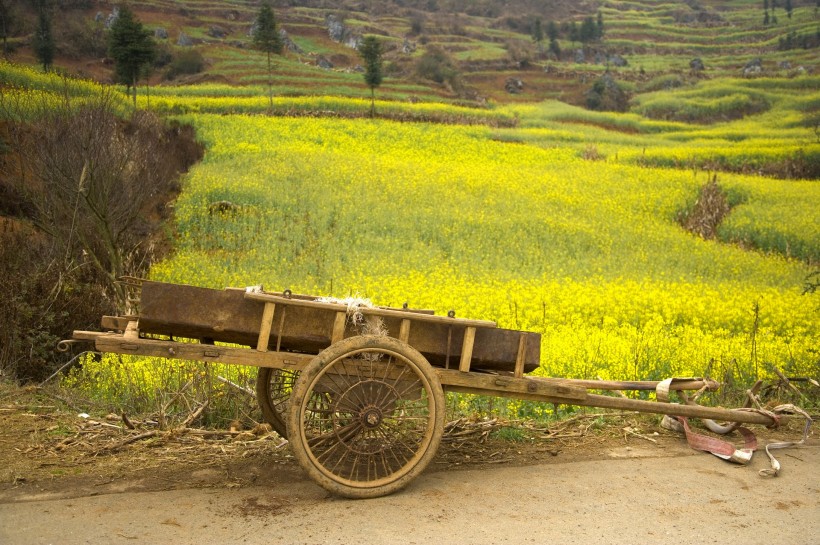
273 390
367 416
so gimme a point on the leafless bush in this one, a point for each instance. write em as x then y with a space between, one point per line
87 193
709 210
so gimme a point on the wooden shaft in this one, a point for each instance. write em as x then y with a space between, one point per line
691 384
692 411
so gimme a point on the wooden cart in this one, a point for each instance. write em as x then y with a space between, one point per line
359 391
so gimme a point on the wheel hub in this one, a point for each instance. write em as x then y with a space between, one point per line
371 417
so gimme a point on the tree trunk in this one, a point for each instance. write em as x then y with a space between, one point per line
270 87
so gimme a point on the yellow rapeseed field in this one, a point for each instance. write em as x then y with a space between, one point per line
588 253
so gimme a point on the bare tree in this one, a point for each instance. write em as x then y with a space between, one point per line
95 183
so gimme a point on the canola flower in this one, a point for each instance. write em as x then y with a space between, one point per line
587 253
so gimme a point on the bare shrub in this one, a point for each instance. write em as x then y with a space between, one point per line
87 192
711 207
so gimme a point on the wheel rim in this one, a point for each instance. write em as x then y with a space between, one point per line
368 418
274 389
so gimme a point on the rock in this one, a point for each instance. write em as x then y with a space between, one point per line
353 42
617 60
112 17
322 62
99 17
696 64
784 65
217 32
579 56
338 32
160 33
252 29
408 47
289 44
756 62
184 40
335 28
514 86
599 58
754 66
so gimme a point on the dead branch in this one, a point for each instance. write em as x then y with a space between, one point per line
127 422
237 386
193 416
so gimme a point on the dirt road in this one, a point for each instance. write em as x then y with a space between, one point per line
639 493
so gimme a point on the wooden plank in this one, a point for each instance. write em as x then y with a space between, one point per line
264 329
109 342
117 323
404 330
467 350
227 316
132 331
338 327
507 386
521 356
416 316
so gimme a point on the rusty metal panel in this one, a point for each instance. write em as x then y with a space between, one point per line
227 316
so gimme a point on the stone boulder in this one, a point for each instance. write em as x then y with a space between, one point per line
289 44
579 56
617 60
112 17
335 28
184 40
217 32
160 33
697 65
513 86
754 66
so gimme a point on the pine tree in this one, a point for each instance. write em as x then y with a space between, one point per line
371 52
43 40
537 31
266 38
6 21
131 47
588 30
788 8
599 26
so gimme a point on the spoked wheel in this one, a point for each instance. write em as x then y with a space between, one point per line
367 416
273 391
